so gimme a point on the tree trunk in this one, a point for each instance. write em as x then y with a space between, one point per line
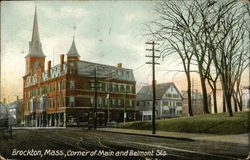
224 103
240 103
190 112
235 103
204 94
215 100
229 105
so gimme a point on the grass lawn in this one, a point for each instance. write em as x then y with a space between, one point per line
219 123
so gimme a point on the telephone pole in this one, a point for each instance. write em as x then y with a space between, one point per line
153 82
96 86
95 96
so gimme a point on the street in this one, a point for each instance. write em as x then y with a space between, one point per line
74 143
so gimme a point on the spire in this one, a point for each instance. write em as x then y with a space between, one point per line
35 46
35 34
73 51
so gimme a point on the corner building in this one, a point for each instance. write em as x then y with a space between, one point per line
74 92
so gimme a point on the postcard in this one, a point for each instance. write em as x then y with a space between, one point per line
125 80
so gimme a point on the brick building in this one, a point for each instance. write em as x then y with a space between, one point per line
65 94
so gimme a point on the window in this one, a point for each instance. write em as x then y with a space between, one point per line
176 96
115 88
103 102
110 87
178 103
147 117
27 106
52 103
103 86
63 84
179 112
130 103
166 112
127 76
174 104
42 103
169 95
63 101
99 102
71 101
133 103
128 88
92 85
122 88
131 88
113 102
106 102
92 101
119 102
172 111
72 85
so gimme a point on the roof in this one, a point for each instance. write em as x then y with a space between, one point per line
73 51
86 68
146 92
35 46
105 71
195 95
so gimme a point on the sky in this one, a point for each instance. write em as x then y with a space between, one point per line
107 32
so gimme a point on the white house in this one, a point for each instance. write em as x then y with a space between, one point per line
246 97
168 101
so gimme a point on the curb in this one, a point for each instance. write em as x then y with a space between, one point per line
148 135
178 138
221 142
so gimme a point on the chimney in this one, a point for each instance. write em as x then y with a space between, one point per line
49 67
17 98
119 65
61 61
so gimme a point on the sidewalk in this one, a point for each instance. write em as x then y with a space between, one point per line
239 139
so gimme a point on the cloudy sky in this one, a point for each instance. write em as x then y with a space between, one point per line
107 32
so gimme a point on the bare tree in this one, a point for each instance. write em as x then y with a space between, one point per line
228 47
212 81
206 33
168 29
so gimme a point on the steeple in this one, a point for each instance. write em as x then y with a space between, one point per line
73 51
35 46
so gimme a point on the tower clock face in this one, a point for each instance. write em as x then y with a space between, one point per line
71 64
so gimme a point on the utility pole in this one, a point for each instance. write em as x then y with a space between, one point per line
153 82
95 107
96 86
110 76
95 96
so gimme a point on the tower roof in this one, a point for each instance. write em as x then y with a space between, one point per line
73 51
35 46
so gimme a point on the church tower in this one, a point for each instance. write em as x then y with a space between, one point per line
35 59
